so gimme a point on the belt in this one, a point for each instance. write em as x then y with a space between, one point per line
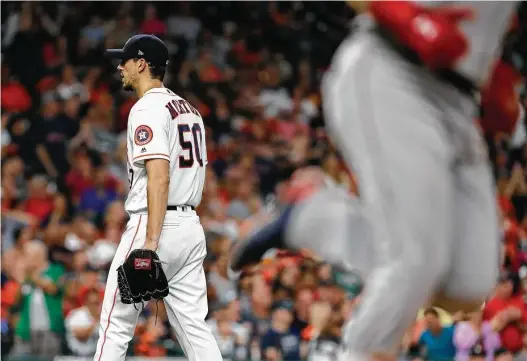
449 76
183 208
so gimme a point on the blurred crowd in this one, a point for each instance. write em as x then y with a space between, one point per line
253 70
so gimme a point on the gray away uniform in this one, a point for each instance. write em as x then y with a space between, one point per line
427 217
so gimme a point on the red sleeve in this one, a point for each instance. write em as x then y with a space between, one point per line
523 308
488 312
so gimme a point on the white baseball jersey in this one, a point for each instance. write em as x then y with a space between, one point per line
163 125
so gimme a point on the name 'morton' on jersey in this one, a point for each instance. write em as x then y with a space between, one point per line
163 125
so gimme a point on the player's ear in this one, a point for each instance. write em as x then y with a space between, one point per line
141 65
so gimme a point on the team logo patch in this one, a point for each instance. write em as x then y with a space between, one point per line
142 263
143 135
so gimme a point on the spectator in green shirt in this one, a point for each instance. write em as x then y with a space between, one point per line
41 323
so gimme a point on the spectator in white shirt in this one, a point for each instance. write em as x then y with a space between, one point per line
82 326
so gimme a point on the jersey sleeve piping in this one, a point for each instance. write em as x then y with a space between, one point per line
153 155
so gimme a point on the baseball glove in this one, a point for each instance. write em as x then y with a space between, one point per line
141 277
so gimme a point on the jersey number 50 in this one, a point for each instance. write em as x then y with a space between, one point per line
193 146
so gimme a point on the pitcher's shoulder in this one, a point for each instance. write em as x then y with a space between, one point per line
152 102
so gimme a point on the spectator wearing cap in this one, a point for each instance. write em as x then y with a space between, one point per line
280 343
438 339
474 331
82 325
509 312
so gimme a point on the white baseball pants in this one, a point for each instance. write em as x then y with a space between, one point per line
182 249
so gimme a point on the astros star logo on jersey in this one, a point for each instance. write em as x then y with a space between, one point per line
143 135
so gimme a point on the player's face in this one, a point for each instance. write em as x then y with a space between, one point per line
128 72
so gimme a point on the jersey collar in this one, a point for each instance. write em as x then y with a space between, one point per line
156 90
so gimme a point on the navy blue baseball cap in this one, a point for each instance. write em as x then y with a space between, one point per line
142 46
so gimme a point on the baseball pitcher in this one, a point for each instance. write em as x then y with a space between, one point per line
160 256
401 101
